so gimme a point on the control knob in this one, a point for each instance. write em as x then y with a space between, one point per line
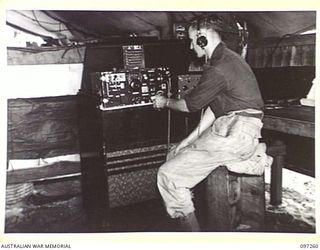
135 84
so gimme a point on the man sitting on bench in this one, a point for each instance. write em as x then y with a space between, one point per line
229 130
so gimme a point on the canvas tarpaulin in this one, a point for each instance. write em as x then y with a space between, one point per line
42 127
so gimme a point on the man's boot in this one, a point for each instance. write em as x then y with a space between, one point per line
189 223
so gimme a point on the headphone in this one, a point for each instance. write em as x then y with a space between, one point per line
202 40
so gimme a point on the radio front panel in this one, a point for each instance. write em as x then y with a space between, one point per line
127 88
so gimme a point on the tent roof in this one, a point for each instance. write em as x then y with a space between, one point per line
80 25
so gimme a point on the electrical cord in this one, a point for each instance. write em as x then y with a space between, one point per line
66 51
27 31
41 22
45 28
169 131
169 118
32 19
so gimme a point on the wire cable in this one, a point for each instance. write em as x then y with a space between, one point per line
26 31
24 15
169 119
41 22
45 28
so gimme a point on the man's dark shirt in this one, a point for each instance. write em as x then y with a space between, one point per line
227 84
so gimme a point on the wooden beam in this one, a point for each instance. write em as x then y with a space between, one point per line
36 174
291 126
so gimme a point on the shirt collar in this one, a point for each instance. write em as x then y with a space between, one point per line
217 53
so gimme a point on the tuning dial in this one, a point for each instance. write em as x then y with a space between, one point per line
135 85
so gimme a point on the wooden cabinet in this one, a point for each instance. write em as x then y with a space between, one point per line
121 151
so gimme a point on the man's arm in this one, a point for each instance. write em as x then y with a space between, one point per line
206 121
160 102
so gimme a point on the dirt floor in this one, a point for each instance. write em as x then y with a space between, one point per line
57 208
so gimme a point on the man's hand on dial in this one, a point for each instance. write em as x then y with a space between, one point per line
159 102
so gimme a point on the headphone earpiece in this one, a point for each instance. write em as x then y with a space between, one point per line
202 40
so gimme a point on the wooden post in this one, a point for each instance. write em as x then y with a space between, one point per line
278 153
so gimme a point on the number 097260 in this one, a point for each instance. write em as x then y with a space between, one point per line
308 246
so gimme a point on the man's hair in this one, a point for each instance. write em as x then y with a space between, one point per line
227 29
211 21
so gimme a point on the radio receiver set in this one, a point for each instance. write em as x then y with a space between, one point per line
186 83
128 88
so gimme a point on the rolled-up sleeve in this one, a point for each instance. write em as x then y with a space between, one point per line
211 83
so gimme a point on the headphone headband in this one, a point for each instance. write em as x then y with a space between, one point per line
202 40
212 21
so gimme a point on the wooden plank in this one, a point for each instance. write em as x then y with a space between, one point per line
296 112
290 126
296 120
298 59
276 58
286 54
266 57
308 55
35 174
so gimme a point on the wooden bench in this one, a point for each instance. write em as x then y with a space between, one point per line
236 202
